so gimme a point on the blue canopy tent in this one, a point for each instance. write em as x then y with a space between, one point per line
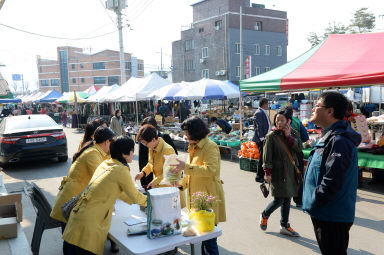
10 100
49 96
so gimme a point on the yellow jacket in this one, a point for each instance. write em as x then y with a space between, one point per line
156 162
90 219
79 175
203 174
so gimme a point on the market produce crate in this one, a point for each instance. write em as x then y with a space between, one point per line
233 144
223 143
248 164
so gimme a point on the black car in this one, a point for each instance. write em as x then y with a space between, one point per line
28 137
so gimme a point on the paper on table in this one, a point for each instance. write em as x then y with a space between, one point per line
134 220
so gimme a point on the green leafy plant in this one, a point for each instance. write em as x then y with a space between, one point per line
202 201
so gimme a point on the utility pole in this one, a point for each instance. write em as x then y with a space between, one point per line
117 7
241 71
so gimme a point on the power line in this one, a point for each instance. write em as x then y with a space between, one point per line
56 37
110 17
141 11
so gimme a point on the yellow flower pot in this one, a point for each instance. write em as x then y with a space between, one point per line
204 221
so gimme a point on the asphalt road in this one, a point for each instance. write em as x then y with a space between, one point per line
244 203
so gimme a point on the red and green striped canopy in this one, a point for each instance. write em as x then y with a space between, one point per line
339 61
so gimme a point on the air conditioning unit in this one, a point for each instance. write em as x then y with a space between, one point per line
223 72
217 73
203 60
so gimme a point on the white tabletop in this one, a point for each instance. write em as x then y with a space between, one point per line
18 245
141 245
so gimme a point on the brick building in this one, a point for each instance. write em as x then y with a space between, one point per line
210 47
76 70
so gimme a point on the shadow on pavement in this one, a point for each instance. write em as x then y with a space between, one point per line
303 241
377 225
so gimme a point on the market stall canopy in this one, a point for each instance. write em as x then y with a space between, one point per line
4 89
102 92
32 97
208 89
10 100
167 92
49 96
136 89
69 97
339 61
91 90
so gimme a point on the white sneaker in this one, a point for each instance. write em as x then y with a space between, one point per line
288 231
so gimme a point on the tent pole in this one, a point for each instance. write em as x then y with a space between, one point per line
241 72
137 114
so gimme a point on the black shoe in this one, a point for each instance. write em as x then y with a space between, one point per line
114 248
259 179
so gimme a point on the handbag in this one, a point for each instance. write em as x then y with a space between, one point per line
67 207
264 189
299 176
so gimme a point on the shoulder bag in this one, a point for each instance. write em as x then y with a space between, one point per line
299 177
67 207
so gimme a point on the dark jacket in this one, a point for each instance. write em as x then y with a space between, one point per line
224 125
143 158
260 122
284 181
331 177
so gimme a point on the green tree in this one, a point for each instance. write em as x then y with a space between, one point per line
363 21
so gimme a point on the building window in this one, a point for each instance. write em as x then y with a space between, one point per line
81 65
73 80
113 80
73 66
189 45
204 52
44 83
201 29
128 66
98 65
205 73
55 82
140 67
257 26
99 80
237 71
237 48
279 50
82 80
267 50
218 25
189 65
40 69
257 49
257 70
267 68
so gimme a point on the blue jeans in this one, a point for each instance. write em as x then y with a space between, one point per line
209 247
285 203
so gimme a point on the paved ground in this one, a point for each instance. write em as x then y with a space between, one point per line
244 201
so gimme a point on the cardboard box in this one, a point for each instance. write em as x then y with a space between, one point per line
10 215
169 119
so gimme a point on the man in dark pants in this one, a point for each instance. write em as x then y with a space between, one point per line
330 182
262 127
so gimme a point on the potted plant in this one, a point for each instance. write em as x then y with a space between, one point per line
202 215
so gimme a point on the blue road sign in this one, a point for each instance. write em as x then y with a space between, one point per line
16 77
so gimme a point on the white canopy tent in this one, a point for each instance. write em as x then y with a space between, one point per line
102 92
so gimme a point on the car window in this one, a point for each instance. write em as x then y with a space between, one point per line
22 122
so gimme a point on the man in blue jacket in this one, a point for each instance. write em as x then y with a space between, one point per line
262 126
223 124
330 181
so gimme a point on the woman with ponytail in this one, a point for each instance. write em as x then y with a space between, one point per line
90 219
84 165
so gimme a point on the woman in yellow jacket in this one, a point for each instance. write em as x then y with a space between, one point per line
88 225
149 137
89 131
84 165
202 170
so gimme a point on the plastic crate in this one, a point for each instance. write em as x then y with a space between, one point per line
223 143
248 164
233 144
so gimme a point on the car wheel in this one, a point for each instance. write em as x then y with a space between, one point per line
63 159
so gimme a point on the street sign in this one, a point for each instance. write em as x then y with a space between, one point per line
16 77
247 67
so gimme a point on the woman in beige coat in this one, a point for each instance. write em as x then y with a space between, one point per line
202 170
88 225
